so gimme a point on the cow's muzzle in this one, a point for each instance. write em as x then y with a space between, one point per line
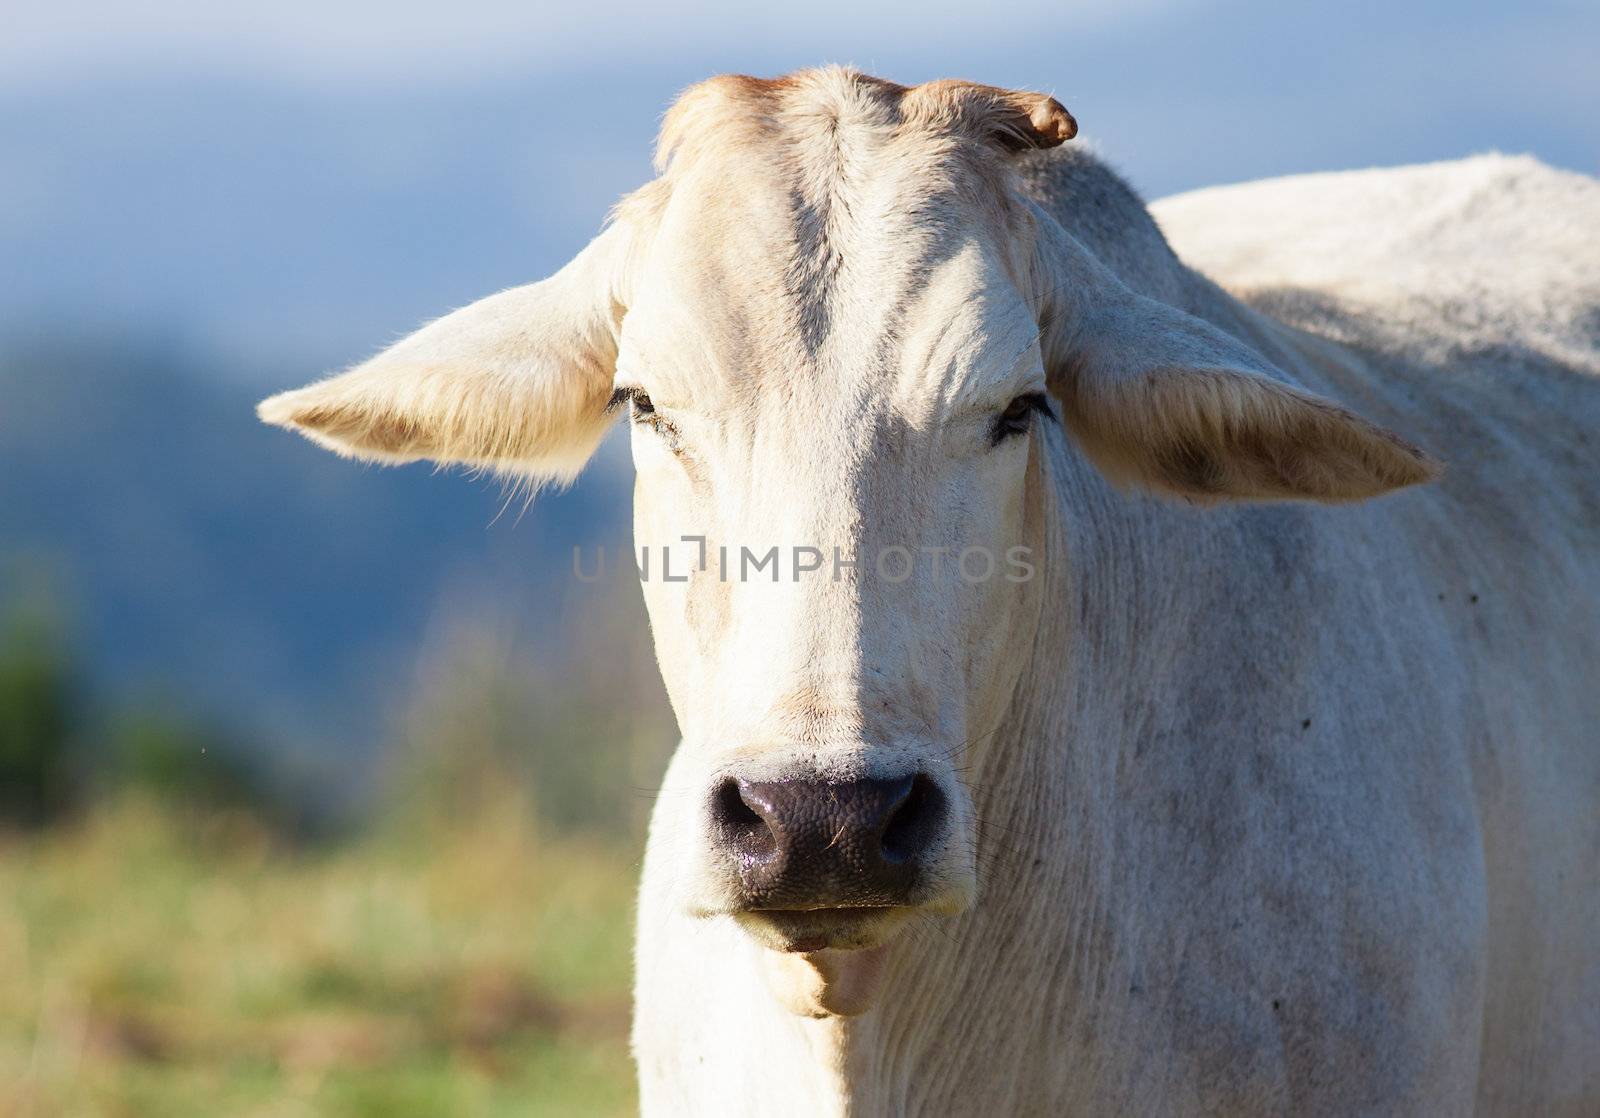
810 846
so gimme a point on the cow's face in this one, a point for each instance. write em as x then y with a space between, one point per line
833 379
838 334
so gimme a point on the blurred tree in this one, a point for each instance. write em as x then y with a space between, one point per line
158 751
37 718
60 750
202 771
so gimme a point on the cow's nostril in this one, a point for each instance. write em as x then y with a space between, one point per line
742 826
914 821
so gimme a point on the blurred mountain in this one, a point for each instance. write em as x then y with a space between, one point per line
239 570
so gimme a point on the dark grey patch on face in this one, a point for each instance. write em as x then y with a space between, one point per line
814 265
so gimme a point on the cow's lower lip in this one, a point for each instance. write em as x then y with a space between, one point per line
809 930
826 983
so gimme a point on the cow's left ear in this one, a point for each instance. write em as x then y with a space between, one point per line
1161 399
517 383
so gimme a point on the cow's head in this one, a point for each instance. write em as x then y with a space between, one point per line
839 332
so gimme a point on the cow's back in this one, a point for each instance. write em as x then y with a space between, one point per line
1463 304
1487 251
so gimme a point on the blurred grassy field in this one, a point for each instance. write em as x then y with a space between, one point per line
157 963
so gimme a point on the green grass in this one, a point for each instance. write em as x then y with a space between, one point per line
155 965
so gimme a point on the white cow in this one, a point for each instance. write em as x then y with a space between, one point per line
1151 761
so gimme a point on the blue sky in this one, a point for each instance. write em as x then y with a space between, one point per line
292 184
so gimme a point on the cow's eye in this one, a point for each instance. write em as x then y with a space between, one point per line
1018 416
643 413
637 399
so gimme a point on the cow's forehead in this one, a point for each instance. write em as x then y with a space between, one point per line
825 234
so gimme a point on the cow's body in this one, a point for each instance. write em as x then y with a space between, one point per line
1283 802
1297 809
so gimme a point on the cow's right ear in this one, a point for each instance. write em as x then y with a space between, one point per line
517 383
1160 399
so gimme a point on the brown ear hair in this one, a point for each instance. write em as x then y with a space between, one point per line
1211 434
1161 399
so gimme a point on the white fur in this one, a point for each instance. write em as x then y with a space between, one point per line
1257 809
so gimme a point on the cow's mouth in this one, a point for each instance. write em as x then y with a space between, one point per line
803 931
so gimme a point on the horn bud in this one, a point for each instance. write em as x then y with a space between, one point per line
1051 122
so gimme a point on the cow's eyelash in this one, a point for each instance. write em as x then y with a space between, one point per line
642 412
633 395
1018 416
